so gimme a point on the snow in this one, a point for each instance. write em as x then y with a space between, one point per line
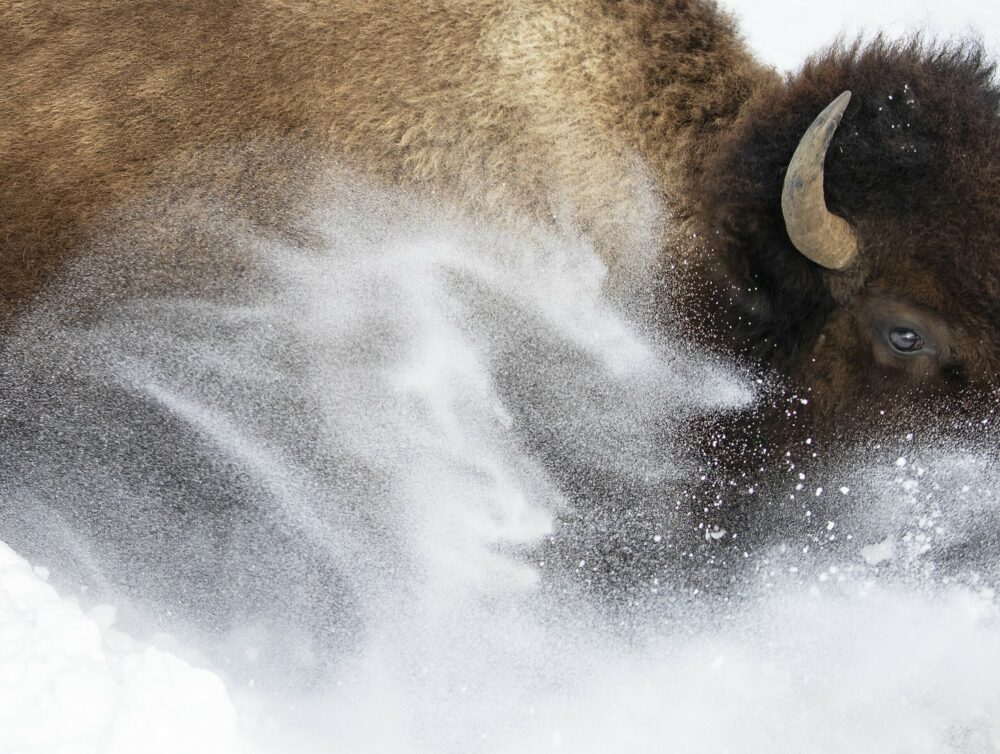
879 553
398 585
69 683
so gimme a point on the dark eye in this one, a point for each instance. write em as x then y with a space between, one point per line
905 340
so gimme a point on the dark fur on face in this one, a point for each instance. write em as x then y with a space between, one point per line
915 169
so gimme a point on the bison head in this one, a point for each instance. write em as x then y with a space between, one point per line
854 214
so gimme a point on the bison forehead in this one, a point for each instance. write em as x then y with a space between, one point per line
945 259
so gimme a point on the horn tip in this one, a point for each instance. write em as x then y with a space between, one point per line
836 108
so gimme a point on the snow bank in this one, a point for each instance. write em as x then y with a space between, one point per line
70 683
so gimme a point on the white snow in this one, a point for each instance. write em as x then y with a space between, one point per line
70 683
880 552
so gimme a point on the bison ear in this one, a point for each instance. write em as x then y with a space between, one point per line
817 233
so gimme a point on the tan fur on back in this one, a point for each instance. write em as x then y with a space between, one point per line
565 109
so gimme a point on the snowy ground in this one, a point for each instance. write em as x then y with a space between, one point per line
388 445
70 683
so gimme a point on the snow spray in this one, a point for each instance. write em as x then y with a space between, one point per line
414 483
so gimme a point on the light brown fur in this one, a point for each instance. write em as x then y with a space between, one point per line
530 108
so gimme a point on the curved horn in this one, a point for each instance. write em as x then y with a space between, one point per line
817 233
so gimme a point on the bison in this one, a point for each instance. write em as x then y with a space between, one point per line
837 227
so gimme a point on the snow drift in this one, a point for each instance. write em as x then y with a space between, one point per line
70 683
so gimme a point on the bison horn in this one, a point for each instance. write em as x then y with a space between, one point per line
817 233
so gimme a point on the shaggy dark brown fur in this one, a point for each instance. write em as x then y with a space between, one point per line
540 109
915 169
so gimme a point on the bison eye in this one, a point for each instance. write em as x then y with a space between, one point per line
905 340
